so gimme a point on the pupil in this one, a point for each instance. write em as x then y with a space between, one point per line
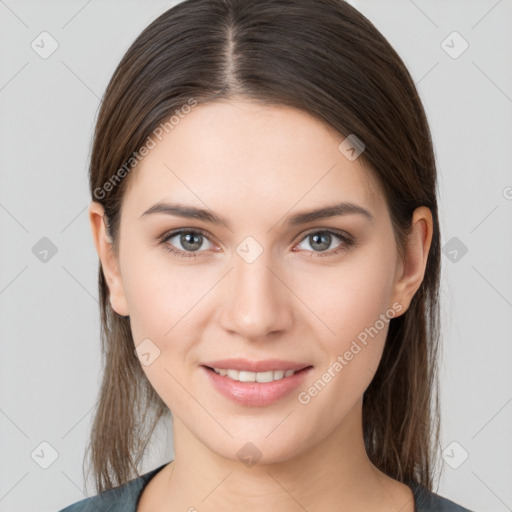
318 239
188 244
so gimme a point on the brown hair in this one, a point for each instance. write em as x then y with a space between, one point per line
326 58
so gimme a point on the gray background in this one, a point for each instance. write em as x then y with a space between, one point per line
49 325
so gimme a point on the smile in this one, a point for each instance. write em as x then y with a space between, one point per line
255 389
245 376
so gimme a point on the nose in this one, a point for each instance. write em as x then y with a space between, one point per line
257 301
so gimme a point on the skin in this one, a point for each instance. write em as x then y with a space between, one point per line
255 166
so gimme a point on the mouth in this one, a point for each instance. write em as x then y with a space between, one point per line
248 376
255 383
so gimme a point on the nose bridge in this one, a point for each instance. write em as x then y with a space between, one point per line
258 304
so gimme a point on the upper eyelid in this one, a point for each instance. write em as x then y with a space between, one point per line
174 232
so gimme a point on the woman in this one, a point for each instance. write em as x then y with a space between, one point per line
264 209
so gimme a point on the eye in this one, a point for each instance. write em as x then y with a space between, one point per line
320 241
190 241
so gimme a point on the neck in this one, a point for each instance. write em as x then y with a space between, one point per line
334 474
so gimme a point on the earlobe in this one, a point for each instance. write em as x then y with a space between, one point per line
109 261
412 269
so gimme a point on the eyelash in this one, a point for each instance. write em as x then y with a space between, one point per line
347 242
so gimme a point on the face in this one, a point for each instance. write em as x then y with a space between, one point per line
263 283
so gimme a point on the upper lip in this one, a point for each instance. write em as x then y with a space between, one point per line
256 366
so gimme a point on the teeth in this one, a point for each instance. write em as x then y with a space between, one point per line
244 376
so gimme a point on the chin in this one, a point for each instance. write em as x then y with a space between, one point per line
252 449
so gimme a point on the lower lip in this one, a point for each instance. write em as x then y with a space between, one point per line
256 394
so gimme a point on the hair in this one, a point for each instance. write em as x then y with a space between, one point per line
323 57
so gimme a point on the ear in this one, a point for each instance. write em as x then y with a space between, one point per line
411 271
109 261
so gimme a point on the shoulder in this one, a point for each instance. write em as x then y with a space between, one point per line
427 501
120 499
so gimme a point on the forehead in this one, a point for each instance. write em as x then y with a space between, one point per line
251 155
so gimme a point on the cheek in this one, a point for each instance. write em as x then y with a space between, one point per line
161 303
160 294
354 296
355 306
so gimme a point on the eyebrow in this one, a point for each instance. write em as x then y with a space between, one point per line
191 212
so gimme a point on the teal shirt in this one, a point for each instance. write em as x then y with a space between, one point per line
125 498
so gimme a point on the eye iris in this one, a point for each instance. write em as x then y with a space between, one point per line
324 239
185 240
